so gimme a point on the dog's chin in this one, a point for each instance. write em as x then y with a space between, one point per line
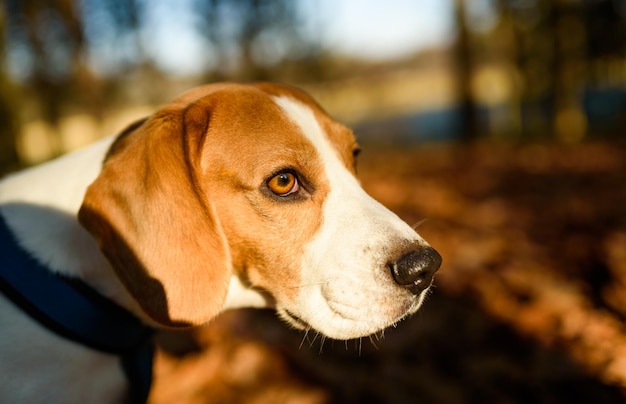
341 322
293 320
334 333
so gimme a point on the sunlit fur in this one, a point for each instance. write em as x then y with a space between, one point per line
177 224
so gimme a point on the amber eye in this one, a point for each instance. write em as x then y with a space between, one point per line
283 184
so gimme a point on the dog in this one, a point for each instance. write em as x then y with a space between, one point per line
232 195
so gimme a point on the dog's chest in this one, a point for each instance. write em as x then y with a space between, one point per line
37 365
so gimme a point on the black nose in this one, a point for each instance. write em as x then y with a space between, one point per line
415 270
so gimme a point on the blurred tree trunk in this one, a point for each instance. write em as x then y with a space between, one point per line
463 56
550 45
569 70
49 79
243 46
9 158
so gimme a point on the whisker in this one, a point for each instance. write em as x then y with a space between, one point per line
418 224
323 339
317 334
304 337
307 285
372 342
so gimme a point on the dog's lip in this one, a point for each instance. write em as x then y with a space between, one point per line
295 320
299 322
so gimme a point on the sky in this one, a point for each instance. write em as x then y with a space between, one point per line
372 29
383 29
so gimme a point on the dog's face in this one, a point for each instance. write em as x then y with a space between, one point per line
270 181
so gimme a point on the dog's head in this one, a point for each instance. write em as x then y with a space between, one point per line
253 185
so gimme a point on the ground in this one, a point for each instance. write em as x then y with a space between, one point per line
528 306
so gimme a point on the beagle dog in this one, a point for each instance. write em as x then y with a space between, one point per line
229 196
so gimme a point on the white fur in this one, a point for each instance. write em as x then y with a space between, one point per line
347 291
38 366
241 296
40 206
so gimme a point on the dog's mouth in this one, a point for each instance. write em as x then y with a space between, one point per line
343 321
294 320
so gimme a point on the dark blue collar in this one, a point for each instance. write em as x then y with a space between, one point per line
75 311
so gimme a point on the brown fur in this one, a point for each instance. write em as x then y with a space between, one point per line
181 202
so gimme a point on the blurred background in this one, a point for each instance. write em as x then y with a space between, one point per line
498 125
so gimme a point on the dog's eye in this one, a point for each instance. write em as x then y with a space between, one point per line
283 184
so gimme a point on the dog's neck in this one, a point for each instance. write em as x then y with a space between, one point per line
40 205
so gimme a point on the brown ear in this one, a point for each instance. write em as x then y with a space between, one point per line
154 223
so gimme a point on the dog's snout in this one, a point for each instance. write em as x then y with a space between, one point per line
416 270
